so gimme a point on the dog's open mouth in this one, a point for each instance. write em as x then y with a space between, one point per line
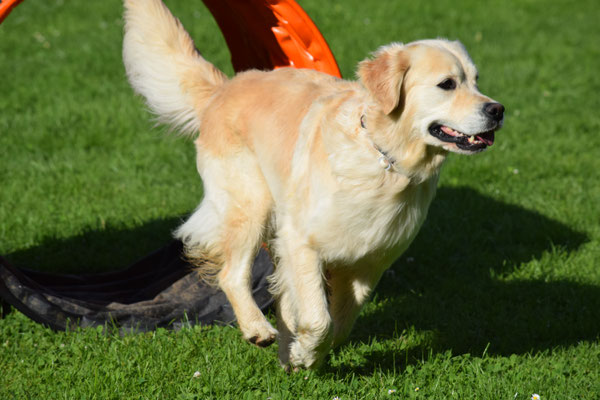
474 143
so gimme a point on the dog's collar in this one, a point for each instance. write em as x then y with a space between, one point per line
385 161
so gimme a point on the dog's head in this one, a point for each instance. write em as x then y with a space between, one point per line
430 87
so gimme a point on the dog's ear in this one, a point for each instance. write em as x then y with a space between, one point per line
383 75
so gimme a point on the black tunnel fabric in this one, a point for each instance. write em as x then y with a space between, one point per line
160 290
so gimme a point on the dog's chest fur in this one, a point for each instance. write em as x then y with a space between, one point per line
360 212
357 224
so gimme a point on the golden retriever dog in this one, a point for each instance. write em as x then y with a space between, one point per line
337 176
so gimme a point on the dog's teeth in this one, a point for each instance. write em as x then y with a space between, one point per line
471 139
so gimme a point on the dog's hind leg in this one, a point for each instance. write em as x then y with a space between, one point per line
245 225
236 207
243 237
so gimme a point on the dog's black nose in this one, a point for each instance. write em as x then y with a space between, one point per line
494 111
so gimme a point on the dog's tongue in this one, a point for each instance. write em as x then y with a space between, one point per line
487 138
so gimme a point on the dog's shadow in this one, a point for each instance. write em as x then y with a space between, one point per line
466 285
110 249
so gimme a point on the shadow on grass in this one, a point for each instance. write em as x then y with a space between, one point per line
452 292
97 251
452 286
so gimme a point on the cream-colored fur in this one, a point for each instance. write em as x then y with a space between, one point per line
337 175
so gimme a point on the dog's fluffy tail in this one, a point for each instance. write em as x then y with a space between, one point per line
163 65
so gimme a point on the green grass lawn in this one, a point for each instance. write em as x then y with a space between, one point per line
497 298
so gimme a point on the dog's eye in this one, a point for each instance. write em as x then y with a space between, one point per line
447 84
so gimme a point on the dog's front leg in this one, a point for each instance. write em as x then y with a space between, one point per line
304 321
349 291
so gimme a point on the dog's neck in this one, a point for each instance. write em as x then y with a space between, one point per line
385 161
400 150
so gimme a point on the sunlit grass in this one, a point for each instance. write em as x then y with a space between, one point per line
498 298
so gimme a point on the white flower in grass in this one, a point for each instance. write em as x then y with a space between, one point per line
535 396
196 374
336 398
391 391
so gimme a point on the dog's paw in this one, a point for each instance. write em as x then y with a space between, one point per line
261 334
301 357
289 369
